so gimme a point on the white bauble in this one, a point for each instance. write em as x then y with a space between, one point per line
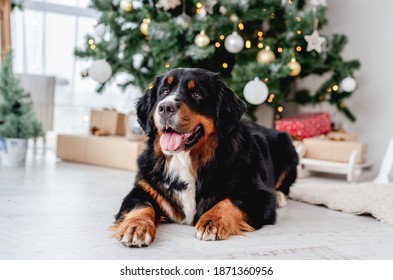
201 40
348 84
255 92
100 30
126 5
100 71
234 43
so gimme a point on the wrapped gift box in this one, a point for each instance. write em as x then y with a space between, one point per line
322 148
107 122
110 151
341 136
305 125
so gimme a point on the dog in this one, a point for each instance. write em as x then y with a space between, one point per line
204 165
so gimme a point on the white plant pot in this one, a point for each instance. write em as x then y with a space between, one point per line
13 151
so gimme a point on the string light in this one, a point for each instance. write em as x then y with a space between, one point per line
321 98
225 65
217 44
298 48
277 117
335 87
298 19
260 45
329 89
241 26
279 50
248 44
167 65
92 46
222 37
299 32
266 80
199 5
260 34
280 109
91 42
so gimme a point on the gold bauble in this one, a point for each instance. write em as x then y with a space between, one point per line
295 67
201 40
144 28
265 56
126 5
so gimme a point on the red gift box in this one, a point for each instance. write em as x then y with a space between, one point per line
305 125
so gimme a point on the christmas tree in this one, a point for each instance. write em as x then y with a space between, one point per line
17 118
260 48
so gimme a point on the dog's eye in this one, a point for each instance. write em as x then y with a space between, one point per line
164 91
196 95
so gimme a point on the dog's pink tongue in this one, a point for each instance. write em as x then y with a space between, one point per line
170 141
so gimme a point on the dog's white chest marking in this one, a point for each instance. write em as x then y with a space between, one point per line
180 167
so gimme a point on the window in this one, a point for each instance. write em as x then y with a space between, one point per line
44 37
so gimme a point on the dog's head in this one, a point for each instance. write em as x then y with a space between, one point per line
186 105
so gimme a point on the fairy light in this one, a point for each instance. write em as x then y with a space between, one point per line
241 26
198 11
298 32
91 42
280 109
167 65
260 45
298 19
321 98
266 80
222 37
298 48
335 88
260 34
277 117
199 5
217 44
92 46
329 89
225 65
248 44
279 50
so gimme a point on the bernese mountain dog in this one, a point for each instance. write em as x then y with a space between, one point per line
204 165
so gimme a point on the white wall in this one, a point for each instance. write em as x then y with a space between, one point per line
368 26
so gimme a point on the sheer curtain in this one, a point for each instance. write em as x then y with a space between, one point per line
44 36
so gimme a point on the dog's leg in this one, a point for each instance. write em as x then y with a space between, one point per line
136 228
221 221
281 199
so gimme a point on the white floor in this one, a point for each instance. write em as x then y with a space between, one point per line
62 210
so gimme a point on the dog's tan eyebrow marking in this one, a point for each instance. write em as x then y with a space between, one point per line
170 80
191 84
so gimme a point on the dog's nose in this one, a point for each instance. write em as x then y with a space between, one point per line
167 109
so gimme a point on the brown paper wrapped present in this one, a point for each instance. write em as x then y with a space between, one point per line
106 122
322 148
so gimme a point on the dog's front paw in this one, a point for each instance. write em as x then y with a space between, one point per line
210 228
135 232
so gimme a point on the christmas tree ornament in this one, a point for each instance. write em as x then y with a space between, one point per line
348 84
201 13
209 5
314 41
100 30
265 56
168 4
201 40
223 10
255 92
126 5
100 71
295 67
234 43
144 27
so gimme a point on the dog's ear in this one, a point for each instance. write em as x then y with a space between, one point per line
229 107
145 106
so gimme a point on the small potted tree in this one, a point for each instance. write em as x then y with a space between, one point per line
18 121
